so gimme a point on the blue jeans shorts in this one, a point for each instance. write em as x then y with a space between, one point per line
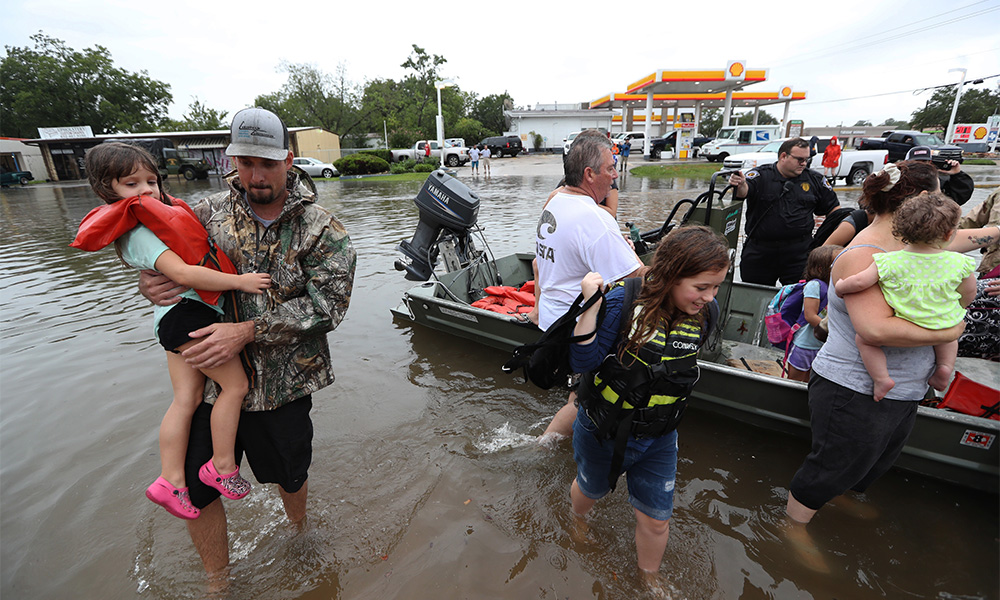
650 468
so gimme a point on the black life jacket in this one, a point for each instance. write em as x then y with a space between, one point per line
645 397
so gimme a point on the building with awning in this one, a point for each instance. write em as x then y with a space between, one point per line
63 148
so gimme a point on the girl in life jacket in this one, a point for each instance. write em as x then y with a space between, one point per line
638 372
150 230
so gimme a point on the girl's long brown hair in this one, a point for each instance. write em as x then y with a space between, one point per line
686 252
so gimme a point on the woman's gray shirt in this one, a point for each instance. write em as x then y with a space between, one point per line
840 362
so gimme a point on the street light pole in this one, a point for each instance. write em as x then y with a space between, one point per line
440 119
954 109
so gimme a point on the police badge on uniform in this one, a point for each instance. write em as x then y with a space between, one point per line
805 186
751 174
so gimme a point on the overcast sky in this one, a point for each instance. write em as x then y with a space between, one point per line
850 56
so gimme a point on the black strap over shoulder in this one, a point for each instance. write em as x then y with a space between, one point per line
546 362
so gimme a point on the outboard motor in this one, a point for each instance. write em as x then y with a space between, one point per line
448 211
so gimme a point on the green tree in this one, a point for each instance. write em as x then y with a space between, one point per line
890 122
52 85
763 118
711 121
420 87
471 130
863 123
976 105
312 97
489 111
198 118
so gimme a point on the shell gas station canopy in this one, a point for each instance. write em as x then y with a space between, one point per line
674 90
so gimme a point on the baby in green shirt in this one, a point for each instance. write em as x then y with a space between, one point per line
923 283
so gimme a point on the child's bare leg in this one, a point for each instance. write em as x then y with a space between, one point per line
944 358
226 412
581 505
188 385
876 365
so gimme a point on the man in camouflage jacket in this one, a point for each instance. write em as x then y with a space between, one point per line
267 222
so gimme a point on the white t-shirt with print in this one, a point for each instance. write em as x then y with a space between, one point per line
575 236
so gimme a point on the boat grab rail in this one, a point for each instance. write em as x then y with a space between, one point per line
707 197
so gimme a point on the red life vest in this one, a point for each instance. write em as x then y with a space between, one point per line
507 300
176 225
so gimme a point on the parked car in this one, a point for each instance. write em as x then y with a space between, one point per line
853 168
637 139
454 156
736 139
315 167
657 145
568 140
503 145
9 177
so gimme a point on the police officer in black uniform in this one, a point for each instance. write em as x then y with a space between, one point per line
781 199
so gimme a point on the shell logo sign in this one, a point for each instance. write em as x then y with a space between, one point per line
785 93
979 133
736 70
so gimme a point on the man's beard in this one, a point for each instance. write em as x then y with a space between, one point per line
261 195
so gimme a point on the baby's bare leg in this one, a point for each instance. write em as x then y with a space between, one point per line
876 365
944 358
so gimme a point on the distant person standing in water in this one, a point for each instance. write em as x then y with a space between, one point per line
474 159
626 150
485 156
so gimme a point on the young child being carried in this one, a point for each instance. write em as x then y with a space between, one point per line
150 230
923 282
805 345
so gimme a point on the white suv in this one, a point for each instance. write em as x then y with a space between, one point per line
568 141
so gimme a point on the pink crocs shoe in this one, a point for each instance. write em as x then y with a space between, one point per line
175 500
231 486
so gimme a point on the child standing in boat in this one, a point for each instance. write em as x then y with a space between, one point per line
638 371
805 345
923 283
150 230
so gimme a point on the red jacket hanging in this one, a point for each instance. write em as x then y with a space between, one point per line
176 226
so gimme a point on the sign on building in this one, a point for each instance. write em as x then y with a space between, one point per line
60 133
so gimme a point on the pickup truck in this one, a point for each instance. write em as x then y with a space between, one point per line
9 177
898 143
854 165
453 156
656 145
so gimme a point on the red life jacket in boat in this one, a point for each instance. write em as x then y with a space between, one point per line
507 300
176 225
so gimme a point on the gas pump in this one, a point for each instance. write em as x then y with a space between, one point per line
684 141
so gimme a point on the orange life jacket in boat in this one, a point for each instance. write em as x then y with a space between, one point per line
508 300
176 225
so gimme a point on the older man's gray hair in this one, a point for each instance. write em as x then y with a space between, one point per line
586 151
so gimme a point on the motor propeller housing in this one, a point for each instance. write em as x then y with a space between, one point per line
448 208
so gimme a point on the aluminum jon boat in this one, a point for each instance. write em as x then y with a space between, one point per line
740 371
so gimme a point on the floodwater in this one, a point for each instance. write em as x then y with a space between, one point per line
426 482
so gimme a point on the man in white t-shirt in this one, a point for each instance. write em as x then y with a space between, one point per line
486 154
576 236
474 158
